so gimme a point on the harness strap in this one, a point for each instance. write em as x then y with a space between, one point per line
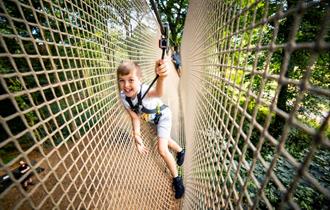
153 111
136 108
128 99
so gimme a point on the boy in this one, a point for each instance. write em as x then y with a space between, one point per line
151 109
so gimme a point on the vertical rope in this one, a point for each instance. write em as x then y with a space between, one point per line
230 89
61 114
60 110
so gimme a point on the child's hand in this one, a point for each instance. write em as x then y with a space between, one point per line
161 68
142 149
140 146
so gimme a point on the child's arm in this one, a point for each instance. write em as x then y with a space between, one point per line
137 132
161 69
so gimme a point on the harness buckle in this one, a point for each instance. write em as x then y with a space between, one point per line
158 109
157 115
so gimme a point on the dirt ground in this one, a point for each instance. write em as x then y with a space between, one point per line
103 170
116 177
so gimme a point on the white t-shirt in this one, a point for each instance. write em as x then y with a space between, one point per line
147 102
165 123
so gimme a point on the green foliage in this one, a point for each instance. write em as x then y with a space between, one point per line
174 12
87 45
90 44
306 196
297 144
6 156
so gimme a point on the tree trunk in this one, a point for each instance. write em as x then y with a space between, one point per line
279 122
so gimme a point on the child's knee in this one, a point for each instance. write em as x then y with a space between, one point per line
162 147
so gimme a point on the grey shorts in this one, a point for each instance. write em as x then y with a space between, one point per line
165 124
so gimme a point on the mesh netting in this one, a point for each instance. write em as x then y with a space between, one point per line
60 110
253 88
255 92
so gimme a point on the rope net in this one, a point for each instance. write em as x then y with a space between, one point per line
60 110
249 71
245 99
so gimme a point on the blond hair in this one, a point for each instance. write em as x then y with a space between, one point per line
127 67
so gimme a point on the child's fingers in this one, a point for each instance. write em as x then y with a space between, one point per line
162 70
162 61
162 67
162 73
159 62
145 151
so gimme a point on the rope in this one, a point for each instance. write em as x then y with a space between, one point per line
164 39
58 63
154 8
234 159
61 114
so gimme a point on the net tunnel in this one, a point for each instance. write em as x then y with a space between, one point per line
251 107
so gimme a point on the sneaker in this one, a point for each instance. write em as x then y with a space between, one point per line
180 157
178 187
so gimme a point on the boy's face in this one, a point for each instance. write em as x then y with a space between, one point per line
129 83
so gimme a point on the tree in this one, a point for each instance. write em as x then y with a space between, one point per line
307 32
174 12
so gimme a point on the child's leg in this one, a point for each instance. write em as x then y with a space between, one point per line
174 146
163 144
164 141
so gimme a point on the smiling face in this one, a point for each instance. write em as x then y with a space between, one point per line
129 84
128 78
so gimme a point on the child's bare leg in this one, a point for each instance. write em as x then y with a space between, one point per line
163 144
174 146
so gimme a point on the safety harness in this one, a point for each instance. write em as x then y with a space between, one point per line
139 108
164 45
